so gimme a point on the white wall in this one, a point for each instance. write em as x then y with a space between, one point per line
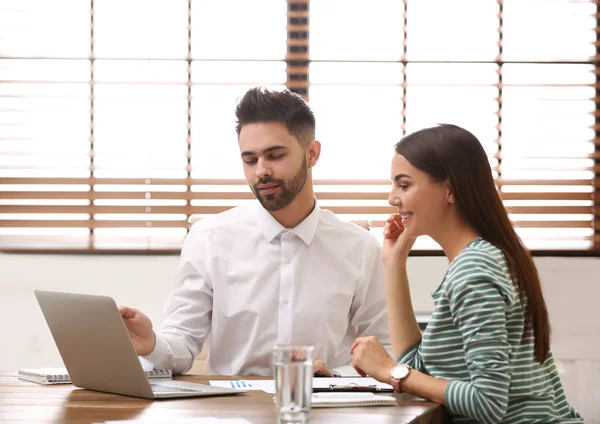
571 287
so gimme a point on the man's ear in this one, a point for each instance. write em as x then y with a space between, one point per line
314 152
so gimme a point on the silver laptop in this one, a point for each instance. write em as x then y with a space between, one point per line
95 346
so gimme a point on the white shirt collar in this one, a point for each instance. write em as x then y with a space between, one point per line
271 228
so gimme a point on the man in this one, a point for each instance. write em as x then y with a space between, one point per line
280 270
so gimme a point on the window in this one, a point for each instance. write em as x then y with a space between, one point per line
519 75
116 117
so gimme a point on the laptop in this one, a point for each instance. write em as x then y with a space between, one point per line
95 346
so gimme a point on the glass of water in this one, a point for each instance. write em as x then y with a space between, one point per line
293 374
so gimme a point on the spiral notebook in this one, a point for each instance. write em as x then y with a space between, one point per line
339 400
61 376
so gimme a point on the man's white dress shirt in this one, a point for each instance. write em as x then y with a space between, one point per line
249 284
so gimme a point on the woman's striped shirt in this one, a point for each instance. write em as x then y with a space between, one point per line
475 340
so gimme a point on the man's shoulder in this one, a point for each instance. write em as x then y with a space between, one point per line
230 217
345 230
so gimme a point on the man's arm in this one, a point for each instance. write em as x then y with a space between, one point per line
368 313
368 310
187 315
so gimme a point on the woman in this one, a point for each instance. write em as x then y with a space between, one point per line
485 354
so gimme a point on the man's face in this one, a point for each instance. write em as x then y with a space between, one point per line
274 163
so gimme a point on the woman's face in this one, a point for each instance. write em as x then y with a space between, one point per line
421 201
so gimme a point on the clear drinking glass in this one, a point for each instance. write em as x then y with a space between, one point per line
293 374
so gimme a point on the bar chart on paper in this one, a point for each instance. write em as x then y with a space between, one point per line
267 386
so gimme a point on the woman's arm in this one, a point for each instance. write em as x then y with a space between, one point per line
404 329
478 310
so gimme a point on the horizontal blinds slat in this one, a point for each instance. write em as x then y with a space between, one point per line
297 27
550 182
356 195
525 224
92 195
361 210
546 196
229 182
550 155
84 223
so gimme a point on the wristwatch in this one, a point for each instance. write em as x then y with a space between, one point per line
399 373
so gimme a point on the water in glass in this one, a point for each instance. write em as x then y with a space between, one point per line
293 373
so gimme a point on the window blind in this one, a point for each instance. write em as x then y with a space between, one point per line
117 117
522 76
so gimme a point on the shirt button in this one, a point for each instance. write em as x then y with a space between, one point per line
287 260
285 300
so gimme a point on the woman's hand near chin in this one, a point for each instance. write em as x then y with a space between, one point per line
397 242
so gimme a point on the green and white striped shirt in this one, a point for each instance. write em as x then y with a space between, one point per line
475 340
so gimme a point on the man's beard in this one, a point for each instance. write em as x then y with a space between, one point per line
287 191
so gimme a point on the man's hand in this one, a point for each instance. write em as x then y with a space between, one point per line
320 369
369 357
140 330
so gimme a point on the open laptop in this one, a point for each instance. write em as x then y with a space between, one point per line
95 346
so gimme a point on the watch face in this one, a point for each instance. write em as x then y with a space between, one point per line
399 372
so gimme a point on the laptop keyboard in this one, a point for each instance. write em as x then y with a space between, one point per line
158 388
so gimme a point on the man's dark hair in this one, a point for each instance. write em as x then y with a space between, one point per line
263 105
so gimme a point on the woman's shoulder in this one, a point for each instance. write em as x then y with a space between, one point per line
479 254
479 260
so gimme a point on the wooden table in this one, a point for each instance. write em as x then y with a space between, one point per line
23 402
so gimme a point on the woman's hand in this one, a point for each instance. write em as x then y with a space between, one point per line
369 357
396 242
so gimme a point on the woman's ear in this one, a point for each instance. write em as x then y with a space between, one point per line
449 195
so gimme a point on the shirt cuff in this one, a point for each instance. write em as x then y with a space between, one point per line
346 371
454 396
159 357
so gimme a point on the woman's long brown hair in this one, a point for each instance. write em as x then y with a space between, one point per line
448 152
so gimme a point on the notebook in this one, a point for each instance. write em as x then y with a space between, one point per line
61 376
339 400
